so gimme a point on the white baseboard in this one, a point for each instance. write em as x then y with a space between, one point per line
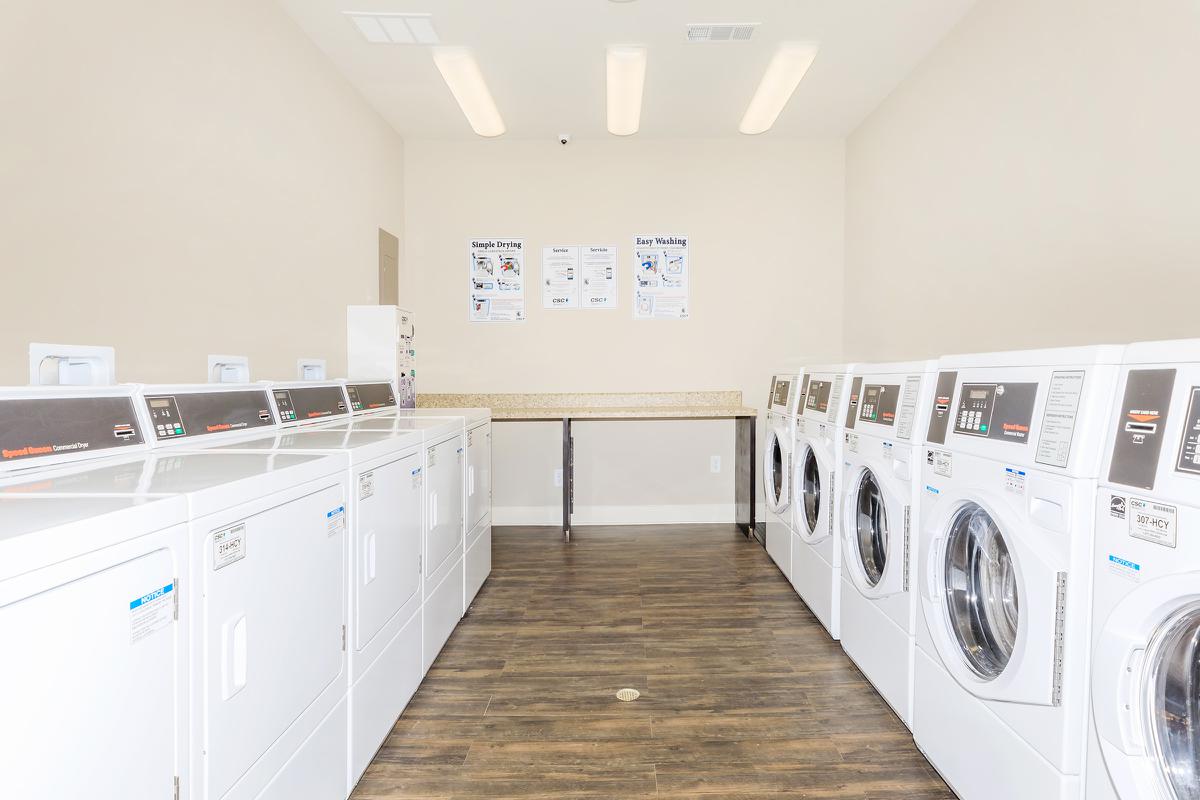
615 515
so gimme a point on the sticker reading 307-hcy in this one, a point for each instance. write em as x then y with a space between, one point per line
229 546
151 612
1152 522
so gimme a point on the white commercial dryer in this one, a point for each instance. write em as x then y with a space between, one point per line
384 519
264 595
1145 699
881 495
1013 449
777 467
94 689
816 510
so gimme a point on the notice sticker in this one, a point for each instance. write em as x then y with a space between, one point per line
852 442
229 546
1152 522
335 521
151 613
941 462
1014 480
1058 421
1124 568
416 478
366 485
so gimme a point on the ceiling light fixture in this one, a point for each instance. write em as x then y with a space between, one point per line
461 73
379 28
783 75
626 79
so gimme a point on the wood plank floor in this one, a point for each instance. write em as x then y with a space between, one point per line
743 695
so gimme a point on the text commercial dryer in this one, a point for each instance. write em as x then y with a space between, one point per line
777 467
816 510
264 597
1146 613
1013 448
881 494
384 520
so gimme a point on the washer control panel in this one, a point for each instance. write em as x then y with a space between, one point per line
975 405
1189 448
879 403
995 410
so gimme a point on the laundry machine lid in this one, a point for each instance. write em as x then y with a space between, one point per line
982 594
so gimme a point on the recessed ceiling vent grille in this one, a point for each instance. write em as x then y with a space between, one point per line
394 28
721 31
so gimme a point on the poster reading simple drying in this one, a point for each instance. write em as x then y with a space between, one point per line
560 276
599 265
497 274
661 280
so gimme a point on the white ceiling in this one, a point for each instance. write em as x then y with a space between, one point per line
544 61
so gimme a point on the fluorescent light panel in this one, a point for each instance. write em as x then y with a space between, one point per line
462 75
626 80
787 68
394 28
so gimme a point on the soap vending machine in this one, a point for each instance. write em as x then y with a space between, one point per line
379 343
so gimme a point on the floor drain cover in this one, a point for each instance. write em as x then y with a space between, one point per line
628 694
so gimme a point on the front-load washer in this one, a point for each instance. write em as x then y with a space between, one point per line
881 494
1013 449
1145 698
264 595
777 467
384 516
94 689
816 464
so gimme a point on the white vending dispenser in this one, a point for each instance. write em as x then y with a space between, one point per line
379 345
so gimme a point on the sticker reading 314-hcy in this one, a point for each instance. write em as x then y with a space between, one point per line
229 546
1152 522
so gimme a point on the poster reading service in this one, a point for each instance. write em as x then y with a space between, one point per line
661 277
497 280
560 276
599 264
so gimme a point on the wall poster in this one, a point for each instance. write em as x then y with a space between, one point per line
497 280
599 264
662 277
560 276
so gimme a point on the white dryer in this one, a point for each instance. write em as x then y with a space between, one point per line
1013 449
881 494
264 595
816 510
780 438
384 517
1144 739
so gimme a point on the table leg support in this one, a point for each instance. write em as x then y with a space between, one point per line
744 469
568 478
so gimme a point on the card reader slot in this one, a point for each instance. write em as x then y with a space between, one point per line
1141 427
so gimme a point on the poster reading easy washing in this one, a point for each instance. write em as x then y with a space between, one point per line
497 280
662 277
560 276
599 265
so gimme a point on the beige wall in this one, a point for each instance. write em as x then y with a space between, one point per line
765 221
1033 183
175 178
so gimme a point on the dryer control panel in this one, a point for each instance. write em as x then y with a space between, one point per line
35 427
318 401
181 415
370 396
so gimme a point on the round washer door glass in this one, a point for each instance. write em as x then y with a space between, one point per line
812 490
776 470
871 528
982 596
1175 704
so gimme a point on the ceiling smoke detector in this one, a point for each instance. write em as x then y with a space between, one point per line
721 31
394 28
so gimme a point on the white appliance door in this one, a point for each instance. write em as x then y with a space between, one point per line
479 474
874 545
1146 690
90 689
991 602
389 545
272 625
443 481
777 468
815 489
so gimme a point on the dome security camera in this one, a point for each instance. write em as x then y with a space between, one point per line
564 138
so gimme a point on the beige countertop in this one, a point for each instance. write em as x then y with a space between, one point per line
597 405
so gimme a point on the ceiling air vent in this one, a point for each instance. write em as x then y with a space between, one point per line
394 28
721 31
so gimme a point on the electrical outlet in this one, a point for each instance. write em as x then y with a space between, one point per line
714 464
558 478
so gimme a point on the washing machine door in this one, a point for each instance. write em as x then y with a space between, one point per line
991 603
777 467
874 533
1146 690
813 479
